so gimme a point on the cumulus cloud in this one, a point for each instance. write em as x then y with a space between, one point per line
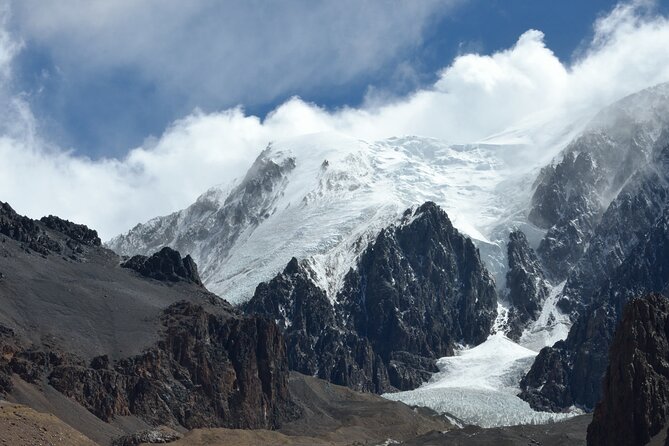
476 96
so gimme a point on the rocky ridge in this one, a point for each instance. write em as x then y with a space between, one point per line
199 362
417 290
571 195
165 264
526 284
35 236
631 245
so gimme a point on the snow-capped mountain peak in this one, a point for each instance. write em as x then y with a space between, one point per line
322 198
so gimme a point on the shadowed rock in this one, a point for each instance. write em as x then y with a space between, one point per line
525 282
635 402
77 232
419 288
207 370
166 265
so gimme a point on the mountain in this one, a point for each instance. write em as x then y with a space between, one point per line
416 291
572 194
323 198
528 289
566 245
96 340
117 348
634 235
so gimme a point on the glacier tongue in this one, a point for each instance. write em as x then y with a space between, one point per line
479 386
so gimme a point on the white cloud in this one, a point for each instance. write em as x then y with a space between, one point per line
257 50
477 95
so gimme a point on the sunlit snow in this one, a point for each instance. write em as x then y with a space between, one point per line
328 208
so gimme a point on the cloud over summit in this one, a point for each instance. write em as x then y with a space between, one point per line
475 96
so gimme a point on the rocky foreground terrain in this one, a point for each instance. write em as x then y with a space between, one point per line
84 331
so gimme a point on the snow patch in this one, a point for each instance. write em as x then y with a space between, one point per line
551 326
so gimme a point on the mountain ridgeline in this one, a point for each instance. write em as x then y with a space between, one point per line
94 339
371 299
417 290
628 256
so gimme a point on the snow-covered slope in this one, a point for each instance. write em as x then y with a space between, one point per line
321 197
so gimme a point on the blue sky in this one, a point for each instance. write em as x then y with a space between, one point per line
107 107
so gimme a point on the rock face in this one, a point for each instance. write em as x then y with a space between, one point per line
571 195
165 265
207 370
525 282
26 231
635 402
625 223
79 233
419 288
566 203
38 236
570 372
316 341
627 256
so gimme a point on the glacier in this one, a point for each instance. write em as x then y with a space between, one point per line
479 385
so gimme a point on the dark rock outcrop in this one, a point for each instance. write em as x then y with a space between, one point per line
207 370
79 233
317 344
525 282
419 288
546 385
166 265
50 235
27 231
635 402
